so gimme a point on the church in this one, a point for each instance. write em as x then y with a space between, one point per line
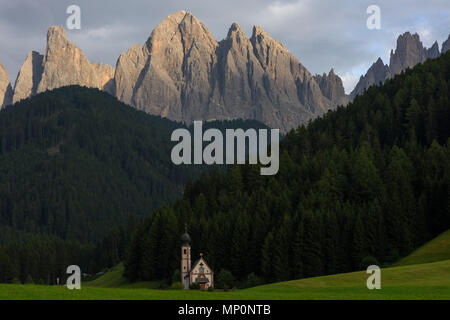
200 272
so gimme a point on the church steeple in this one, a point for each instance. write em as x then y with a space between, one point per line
185 258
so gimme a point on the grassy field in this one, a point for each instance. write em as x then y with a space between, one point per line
114 279
424 281
424 274
437 249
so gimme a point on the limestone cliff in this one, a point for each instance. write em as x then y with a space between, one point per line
184 74
5 87
65 64
408 53
29 77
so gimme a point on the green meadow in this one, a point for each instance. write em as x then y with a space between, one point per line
423 281
437 249
424 274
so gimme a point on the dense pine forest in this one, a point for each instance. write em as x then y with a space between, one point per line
364 184
78 168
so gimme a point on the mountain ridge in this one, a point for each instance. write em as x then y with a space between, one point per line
408 53
184 74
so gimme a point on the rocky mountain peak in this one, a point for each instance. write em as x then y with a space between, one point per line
408 53
236 37
181 54
259 36
234 29
378 72
5 87
29 76
379 62
446 45
56 34
65 64
432 52
332 87
184 74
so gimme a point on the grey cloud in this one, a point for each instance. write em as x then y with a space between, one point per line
322 34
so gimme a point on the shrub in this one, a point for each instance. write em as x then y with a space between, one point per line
210 289
252 280
194 286
177 286
225 279
368 261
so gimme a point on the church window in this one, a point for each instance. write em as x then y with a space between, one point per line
184 251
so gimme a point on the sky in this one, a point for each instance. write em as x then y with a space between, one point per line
322 34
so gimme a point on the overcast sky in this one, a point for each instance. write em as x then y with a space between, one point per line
322 34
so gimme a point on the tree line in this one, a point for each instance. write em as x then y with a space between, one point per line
78 169
363 184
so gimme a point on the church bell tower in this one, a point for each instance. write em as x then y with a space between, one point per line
185 259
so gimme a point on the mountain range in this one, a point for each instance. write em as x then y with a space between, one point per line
409 52
183 73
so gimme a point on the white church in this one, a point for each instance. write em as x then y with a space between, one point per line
200 272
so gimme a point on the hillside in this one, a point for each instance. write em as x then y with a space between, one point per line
75 162
78 169
114 278
424 281
437 249
364 184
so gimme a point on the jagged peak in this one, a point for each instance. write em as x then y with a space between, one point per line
176 17
378 65
407 37
236 30
182 21
56 31
258 35
56 38
179 18
257 30
379 62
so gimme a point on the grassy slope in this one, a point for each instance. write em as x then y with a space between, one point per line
114 279
424 281
437 249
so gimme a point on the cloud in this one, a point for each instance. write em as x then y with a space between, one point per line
279 11
322 34
349 81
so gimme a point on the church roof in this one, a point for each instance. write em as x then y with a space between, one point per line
186 238
198 260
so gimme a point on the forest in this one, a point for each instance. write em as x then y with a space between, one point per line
78 169
364 184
